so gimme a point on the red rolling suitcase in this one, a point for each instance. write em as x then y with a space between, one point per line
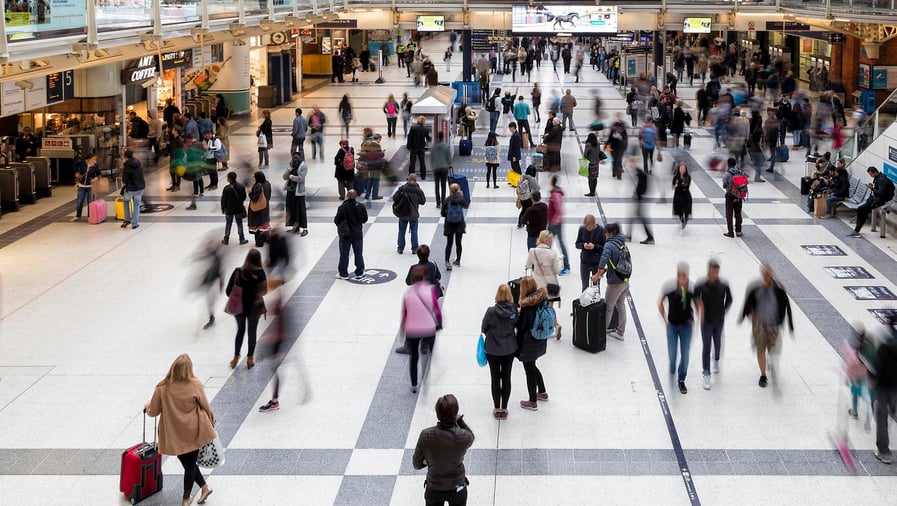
141 469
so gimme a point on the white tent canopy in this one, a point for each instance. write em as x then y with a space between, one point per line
436 100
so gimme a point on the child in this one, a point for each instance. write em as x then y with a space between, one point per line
492 158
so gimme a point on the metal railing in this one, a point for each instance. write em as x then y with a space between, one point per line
865 133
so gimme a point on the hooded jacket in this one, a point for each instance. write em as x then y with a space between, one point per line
132 175
498 329
611 252
530 348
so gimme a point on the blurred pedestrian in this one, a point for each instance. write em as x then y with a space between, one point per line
713 299
556 222
421 318
259 220
679 318
210 281
682 193
766 303
349 220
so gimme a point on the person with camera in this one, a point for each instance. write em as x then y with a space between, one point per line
441 450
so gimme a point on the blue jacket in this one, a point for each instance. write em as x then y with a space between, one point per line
514 146
611 252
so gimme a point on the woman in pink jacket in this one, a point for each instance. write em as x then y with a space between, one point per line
421 317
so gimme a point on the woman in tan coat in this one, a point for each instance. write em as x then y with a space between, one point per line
186 421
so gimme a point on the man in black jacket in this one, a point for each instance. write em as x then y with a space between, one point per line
515 144
536 220
589 239
232 198
406 203
350 216
767 305
133 186
882 193
840 188
618 140
441 450
418 138
715 298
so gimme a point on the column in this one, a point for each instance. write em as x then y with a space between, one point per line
233 78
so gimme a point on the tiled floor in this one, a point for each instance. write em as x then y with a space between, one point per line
93 315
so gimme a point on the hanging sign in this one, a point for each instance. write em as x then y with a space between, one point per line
12 99
142 70
177 59
36 96
60 86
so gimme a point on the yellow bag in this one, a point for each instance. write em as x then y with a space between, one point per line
120 208
513 178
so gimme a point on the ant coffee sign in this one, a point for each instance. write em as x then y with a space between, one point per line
540 18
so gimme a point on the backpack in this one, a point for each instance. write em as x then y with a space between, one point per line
139 128
454 213
739 188
349 159
543 325
220 154
490 105
391 108
401 204
623 267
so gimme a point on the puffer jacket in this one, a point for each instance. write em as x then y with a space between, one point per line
530 348
498 329
441 450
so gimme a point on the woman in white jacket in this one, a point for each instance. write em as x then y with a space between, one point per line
546 264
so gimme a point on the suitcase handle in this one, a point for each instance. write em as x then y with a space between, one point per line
154 427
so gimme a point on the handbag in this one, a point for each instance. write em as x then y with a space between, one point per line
591 295
234 305
481 351
542 148
553 289
260 204
584 167
211 455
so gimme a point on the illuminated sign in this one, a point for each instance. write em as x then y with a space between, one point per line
56 143
144 69
431 23
574 19
697 25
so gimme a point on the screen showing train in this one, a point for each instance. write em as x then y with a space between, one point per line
431 23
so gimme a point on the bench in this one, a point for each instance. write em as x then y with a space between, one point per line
857 194
881 213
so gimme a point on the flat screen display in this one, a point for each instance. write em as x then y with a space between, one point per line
697 25
431 23
542 18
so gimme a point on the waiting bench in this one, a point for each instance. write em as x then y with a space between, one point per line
856 195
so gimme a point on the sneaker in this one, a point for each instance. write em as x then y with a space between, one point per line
270 406
855 234
716 367
852 413
542 396
342 276
457 263
134 226
75 219
762 382
564 271
398 251
532 406
682 388
706 382
244 241
648 241
616 335
448 266
125 224
885 458
403 350
191 207
729 234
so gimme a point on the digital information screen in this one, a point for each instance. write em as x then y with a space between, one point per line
431 23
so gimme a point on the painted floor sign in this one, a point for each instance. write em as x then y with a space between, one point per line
823 250
848 272
871 293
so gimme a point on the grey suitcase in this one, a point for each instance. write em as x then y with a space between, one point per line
27 187
42 177
9 190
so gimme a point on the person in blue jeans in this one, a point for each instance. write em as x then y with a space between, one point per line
349 220
679 317
407 200
713 297
133 186
84 179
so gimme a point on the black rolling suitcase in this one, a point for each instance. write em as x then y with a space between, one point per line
589 326
42 177
27 186
686 139
9 190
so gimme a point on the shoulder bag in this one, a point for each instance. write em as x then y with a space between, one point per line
234 305
554 290
260 204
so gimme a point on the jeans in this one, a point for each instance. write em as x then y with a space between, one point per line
418 155
830 203
440 497
371 187
648 159
534 382
585 272
83 196
531 241
862 214
242 319
493 120
679 336
733 210
795 136
317 145
557 231
403 225
228 220
441 185
192 473
615 296
298 146
448 246
711 332
885 404
136 197
566 119
357 247
391 126
263 157
523 127
212 171
500 371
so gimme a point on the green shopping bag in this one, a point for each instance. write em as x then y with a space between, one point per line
584 167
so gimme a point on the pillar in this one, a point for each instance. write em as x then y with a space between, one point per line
466 57
233 78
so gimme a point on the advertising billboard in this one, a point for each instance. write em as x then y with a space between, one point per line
26 19
570 19
697 25
431 23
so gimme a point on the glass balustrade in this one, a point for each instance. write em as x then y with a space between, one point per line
27 20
